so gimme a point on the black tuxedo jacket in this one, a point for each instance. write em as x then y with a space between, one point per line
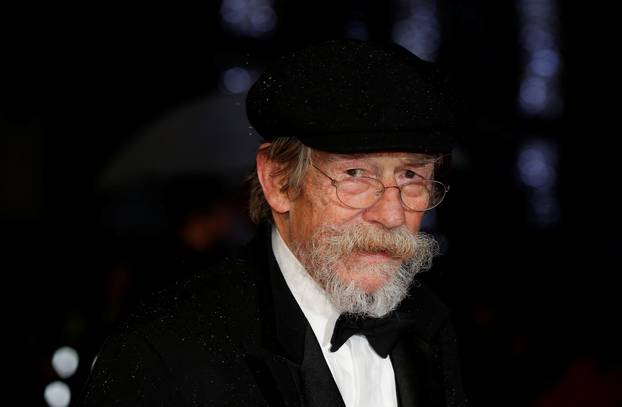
235 336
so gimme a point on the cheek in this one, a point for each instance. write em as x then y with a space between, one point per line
314 209
303 216
413 220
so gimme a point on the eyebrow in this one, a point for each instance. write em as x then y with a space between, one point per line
343 157
419 162
415 161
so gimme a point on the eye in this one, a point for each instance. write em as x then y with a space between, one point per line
410 174
355 172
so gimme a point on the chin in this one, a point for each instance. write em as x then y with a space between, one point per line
371 285
370 277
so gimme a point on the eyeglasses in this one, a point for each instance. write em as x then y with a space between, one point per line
420 195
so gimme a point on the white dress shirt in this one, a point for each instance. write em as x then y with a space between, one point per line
364 379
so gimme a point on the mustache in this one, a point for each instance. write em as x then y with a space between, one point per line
399 243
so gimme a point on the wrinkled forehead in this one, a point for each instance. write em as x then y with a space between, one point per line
416 159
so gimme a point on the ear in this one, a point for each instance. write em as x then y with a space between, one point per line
271 184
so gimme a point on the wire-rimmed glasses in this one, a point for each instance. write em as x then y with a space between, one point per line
418 195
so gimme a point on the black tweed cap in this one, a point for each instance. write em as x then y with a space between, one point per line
350 96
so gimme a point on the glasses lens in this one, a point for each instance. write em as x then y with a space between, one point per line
423 195
364 192
359 193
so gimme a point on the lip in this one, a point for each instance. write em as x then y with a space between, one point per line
374 257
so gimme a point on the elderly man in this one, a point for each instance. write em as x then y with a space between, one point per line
322 308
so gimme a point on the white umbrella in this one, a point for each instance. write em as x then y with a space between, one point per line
210 136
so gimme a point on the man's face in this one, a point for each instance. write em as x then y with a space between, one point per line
363 248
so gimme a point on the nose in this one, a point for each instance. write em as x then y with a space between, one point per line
388 211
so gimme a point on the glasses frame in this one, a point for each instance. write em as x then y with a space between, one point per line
335 183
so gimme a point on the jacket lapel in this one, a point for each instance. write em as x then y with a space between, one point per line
320 389
417 357
278 378
287 362
274 346
406 379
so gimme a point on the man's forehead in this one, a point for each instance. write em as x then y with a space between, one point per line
407 157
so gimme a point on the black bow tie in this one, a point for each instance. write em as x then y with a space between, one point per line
381 333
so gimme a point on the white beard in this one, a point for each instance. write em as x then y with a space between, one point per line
325 260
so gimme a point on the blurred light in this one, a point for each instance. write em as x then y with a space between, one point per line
418 29
539 93
537 170
535 173
534 37
57 394
533 94
263 19
545 63
253 18
357 30
537 8
537 163
65 361
236 80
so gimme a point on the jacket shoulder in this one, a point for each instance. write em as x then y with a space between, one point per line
179 343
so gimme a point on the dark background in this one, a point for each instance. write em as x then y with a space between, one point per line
536 308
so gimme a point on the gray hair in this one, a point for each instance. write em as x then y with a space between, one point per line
293 160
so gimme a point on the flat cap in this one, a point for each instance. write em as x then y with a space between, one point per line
350 96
